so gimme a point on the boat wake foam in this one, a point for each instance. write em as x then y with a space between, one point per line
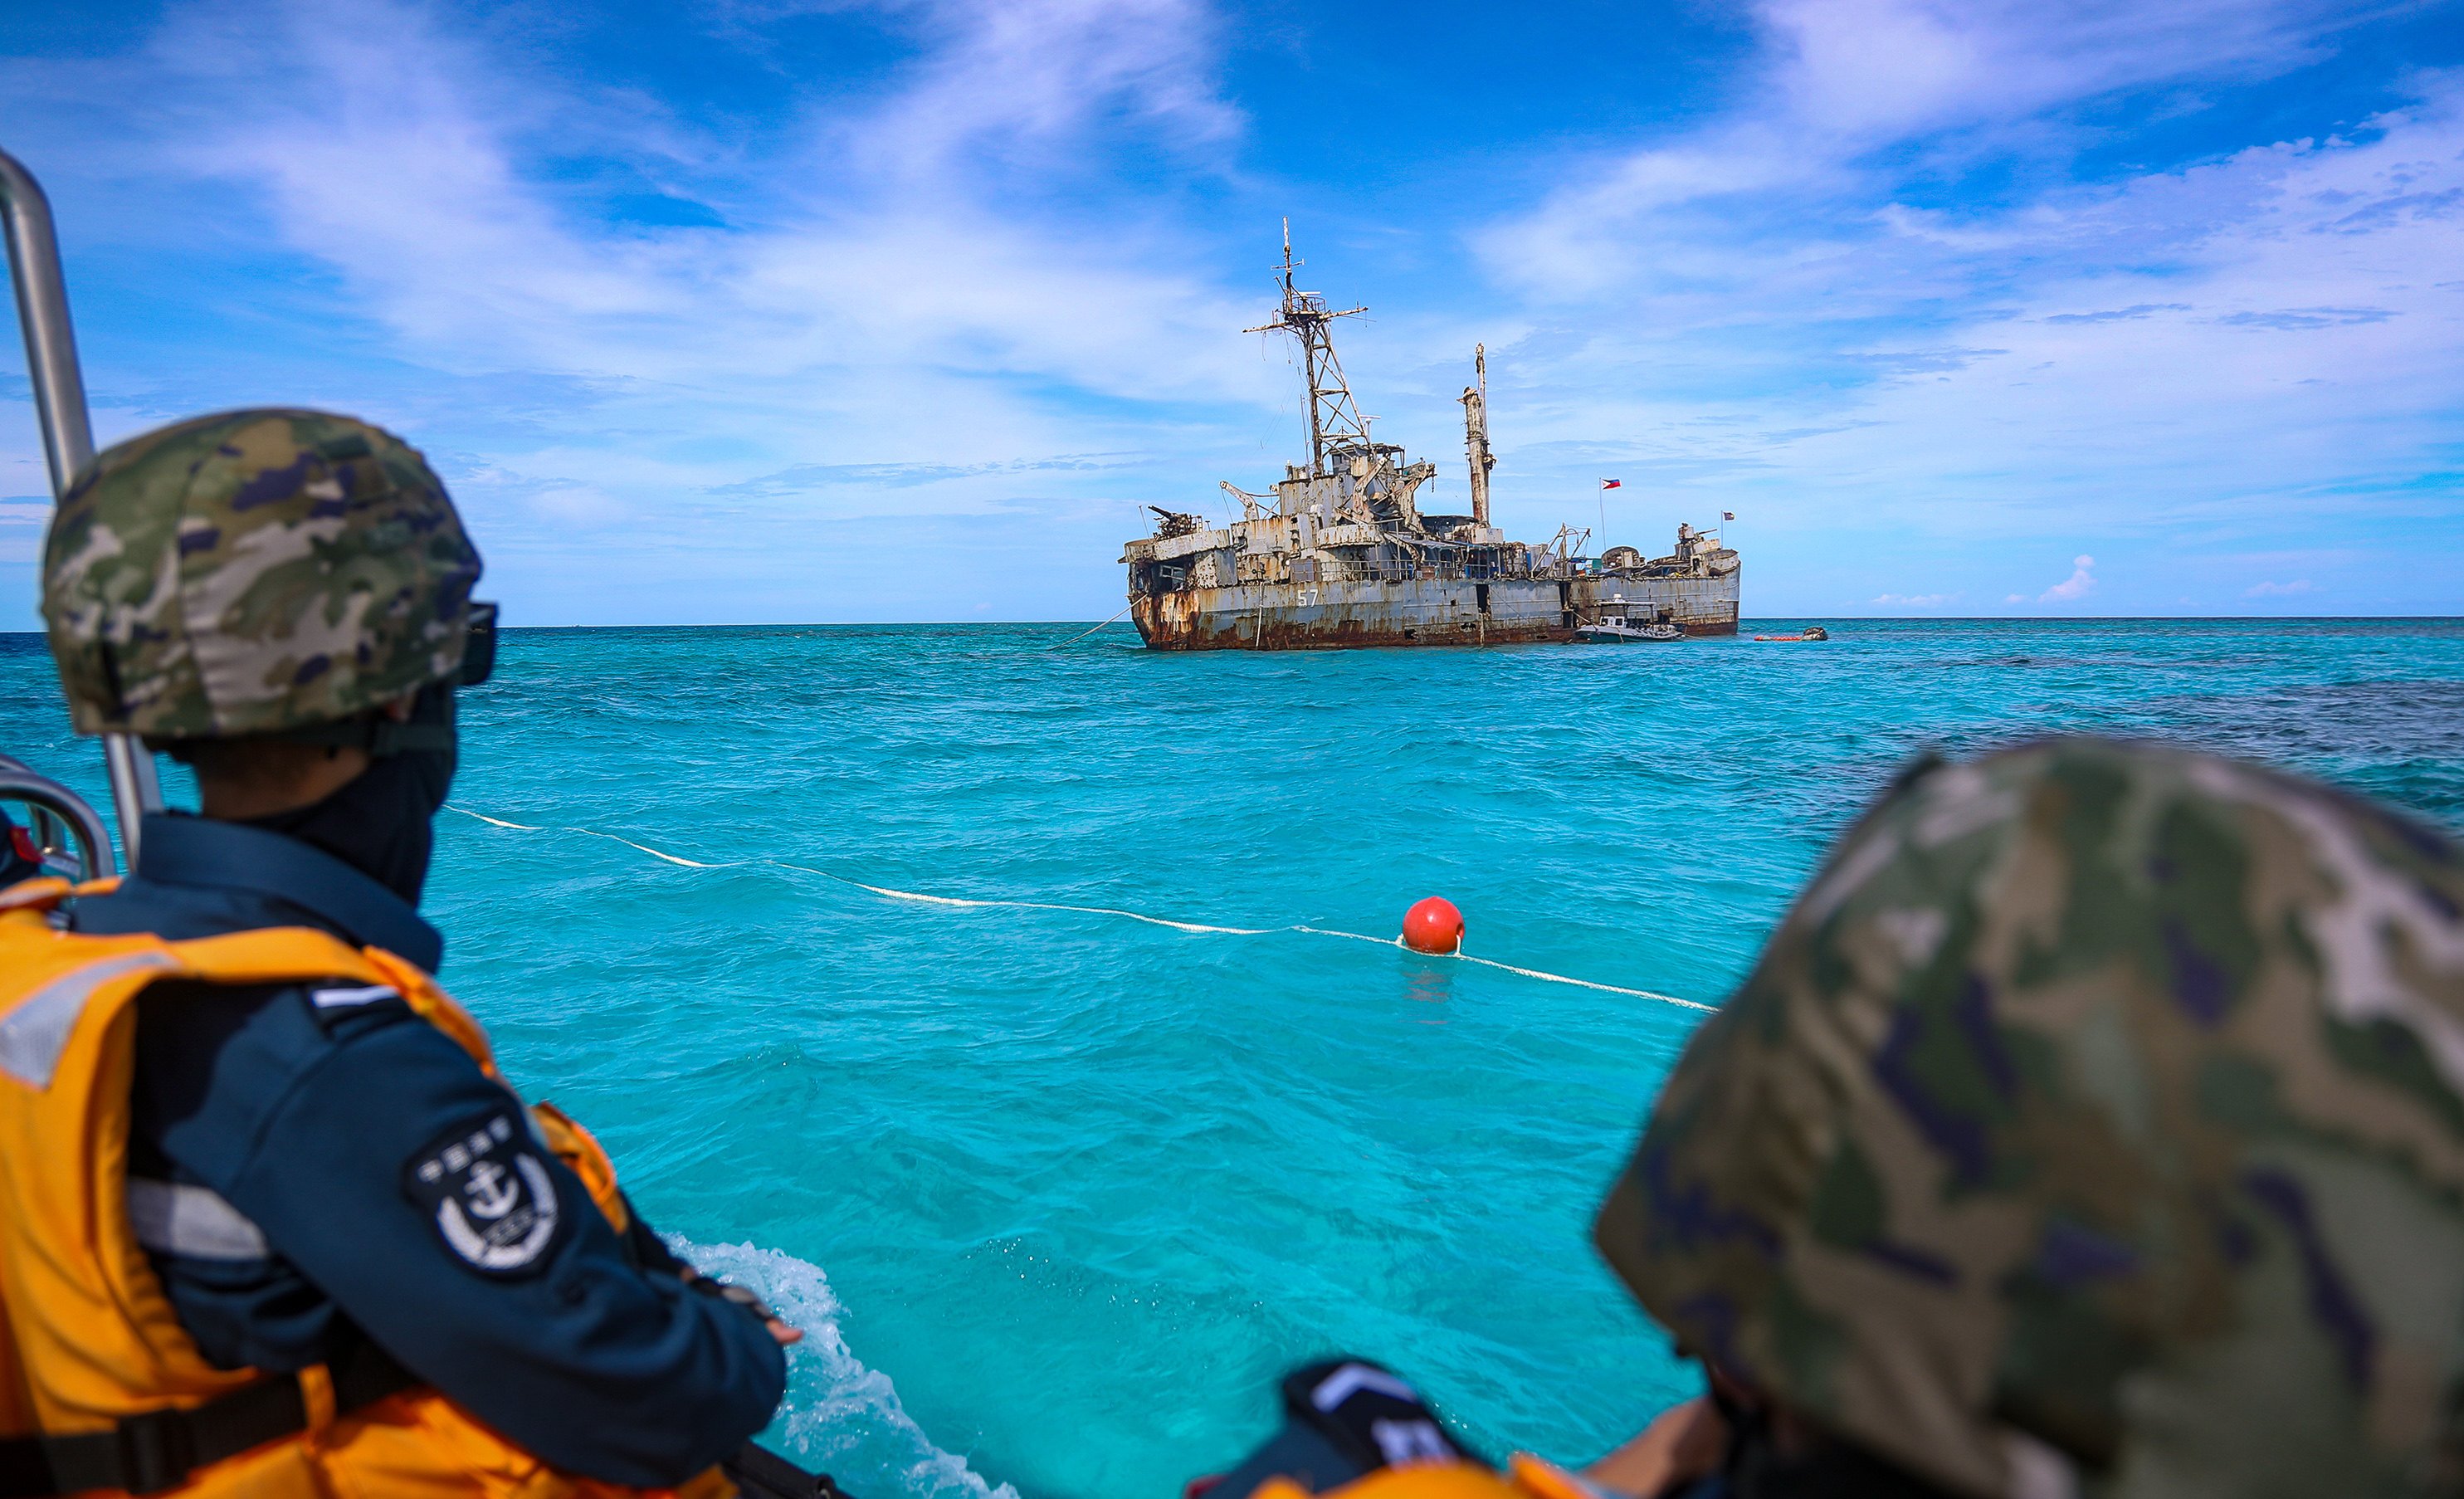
842 1417
1195 927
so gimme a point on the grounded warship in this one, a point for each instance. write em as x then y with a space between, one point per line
1337 555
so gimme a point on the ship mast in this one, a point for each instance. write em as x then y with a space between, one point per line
1475 404
1334 419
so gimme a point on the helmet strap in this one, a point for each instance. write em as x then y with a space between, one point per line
381 734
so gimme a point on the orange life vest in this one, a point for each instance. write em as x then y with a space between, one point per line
88 1338
1526 1477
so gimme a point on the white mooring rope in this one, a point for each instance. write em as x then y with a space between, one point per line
1083 634
1195 927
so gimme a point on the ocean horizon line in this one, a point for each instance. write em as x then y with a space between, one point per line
1742 621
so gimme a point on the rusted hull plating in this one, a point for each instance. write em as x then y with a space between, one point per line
1696 606
1342 554
1282 616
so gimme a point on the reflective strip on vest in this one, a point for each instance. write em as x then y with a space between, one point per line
181 1218
100 1350
35 1032
1351 1378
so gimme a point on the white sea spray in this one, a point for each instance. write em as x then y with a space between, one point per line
841 1417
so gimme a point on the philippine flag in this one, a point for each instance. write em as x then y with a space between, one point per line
1612 483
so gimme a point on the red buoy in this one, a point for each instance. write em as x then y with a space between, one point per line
1433 926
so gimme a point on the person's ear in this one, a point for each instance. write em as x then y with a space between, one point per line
399 709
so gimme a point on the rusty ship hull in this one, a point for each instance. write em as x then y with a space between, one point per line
1290 616
1700 601
1340 554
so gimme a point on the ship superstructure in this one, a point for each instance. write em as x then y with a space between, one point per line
1337 553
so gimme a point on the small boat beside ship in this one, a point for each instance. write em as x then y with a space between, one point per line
1338 553
1621 622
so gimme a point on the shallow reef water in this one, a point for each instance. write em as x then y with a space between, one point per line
1062 1192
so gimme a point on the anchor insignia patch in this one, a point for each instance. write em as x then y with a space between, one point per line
493 1201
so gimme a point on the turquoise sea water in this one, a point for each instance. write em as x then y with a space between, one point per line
1062 1192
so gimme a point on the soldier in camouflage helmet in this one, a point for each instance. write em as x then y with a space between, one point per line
2093 1128
251 573
2094 1124
324 1172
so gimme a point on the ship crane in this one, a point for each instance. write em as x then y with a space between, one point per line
1252 506
1475 405
1341 555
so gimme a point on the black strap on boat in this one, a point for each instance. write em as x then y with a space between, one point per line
160 1449
760 1473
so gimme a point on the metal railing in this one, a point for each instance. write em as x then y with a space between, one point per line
1327 571
64 828
68 437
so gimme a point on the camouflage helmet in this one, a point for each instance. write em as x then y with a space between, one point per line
2093 1125
253 572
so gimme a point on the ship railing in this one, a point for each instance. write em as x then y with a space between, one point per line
1306 574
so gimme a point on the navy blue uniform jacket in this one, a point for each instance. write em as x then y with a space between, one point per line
279 1134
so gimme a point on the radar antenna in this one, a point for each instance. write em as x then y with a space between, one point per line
1334 419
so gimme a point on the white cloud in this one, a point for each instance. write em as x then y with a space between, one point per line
2267 590
577 505
1872 70
877 291
951 267
2239 350
1791 173
1022 75
2077 585
919 299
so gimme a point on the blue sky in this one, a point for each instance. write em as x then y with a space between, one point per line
767 311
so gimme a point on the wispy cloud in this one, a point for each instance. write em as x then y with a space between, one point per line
1019 79
2077 585
873 293
808 476
2257 333
1893 292
1796 173
2294 318
2118 314
902 253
